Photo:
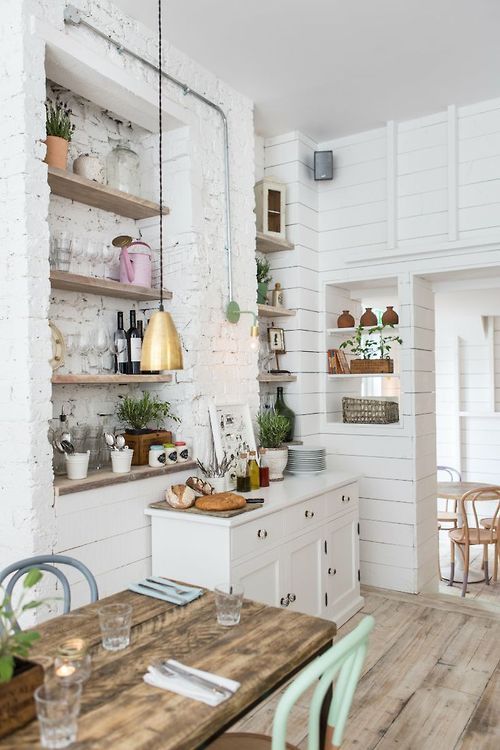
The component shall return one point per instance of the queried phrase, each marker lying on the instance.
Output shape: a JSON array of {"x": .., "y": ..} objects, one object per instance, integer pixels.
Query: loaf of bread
[
  {"x": 180, "y": 496},
  {"x": 221, "y": 501}
]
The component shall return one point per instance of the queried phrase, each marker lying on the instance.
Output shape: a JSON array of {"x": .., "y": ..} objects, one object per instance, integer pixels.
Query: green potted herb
[
  {"x": 19, "y": 677},
  {"x": 371, "y": 350},
  {"x": 273, "y": 429},
  {"x": 59, "y": 133},
  {"x": 144, "y": 419},
  {"x": 263, "y": 279}
]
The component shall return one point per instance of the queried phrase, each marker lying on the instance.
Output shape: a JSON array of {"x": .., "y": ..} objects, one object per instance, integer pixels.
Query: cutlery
[
  {"x": 158, "y": 590},
  {"x": 67, "y": 447},
  {"x": 171, "y": 670},
  {"x": 177, "y": 590},
  {"x": 255, "y": 500}
]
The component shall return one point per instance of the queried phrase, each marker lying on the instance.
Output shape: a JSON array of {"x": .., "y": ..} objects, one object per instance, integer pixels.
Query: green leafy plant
[
  {"x": 263, "y": 268},
  {"x": 13, "y": 643},
  {"x": 58, "y": 120},
  {"x": 139, "y": 413},
  {"x": 371, "y": 348},
  {"x": 273, "y": 428}
]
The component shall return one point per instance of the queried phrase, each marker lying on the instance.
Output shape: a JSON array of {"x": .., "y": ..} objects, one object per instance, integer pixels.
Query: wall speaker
[{"x": 323, "y": 165}]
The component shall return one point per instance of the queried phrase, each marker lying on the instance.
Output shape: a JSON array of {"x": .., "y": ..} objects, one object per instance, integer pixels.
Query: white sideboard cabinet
[{"x": 300, "y": 550}]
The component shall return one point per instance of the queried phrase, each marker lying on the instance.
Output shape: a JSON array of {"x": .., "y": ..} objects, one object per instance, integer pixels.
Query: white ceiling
[{"x": 333, "y": 67}]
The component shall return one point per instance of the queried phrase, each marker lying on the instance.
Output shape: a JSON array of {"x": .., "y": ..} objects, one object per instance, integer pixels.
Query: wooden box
[
  {"x": 142, "y": 443},
  {"x": 371, "y": 366},
  {"x": 17, "y": 705}
]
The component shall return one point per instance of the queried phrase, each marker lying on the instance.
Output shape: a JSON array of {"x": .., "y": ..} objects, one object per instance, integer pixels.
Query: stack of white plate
[{"x": 306, "y": 459}]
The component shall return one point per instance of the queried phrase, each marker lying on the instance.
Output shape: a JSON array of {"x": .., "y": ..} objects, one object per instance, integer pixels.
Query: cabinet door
[
  {"x": 342, "y": 562},
  {"x": 304, "y": 586},
  {"x": 262, "y": 577}
]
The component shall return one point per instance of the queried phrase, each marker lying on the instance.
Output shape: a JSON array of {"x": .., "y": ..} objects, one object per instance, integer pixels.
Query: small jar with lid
[
  {"x": 170, "y": 454},
  {"x": 182, "y": 451},
  {"x": 156, "y": 456}
]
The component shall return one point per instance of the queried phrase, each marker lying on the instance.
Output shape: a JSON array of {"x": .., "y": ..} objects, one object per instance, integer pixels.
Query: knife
[
  {"x": 167, "y": 668},
  {"x": 158, "y": 590},
  {"x": 255, "y": 499}
]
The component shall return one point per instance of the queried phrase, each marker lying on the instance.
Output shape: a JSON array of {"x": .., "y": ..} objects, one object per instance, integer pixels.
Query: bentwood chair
[
  {"x": 342, "y": 665},
  {"x": 448, "y": 514},
  {"x": 46, "y": 563},
  {"x": 472, "y": 533}
]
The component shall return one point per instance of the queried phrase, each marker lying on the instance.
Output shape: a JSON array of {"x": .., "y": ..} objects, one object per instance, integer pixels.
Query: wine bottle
[
  {"x": 281, "y": 408},
  {"x": 140, "y": 329},
  {"x": 134, "y": 346},
  {"x": 121, "y": 347}
]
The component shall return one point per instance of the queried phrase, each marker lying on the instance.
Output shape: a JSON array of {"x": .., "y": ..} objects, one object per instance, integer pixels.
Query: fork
[
  {"x": 173, "y": 671},
  {"x": 176, "y": 590}
]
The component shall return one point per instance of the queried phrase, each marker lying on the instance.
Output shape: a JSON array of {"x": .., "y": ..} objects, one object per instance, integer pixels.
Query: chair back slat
[
  {"x": 47, "y": 563},
  {"x": 344, "y": 661},
  {"x": 474, "y": 498}
]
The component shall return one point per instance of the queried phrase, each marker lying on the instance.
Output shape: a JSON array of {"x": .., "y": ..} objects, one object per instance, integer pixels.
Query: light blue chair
[
  {"x": 341, "y": 667},
  {"x": 46, "y": 563}
]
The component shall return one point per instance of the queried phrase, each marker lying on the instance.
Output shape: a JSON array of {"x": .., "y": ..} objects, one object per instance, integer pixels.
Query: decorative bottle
[
  {"x": 253, "y": 471},
  {"x": 281, "y": 408},
  {"x": 123, "y": 169}
]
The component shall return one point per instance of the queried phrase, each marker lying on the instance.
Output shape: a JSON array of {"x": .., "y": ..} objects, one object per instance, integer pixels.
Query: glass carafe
[
  {"x": 123, "y": 169},
  {"x": 281, "y": 408}
]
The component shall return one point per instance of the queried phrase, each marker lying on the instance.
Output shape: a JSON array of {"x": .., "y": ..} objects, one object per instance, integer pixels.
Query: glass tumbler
[
  {"x": 57, "y": 708},
  {"x": 228, "y": 601},
  {"x": 115, "y": 621}
]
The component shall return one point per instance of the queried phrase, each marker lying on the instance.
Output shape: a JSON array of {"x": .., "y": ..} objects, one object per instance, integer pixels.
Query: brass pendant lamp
[{"x": 161, "y": 348}]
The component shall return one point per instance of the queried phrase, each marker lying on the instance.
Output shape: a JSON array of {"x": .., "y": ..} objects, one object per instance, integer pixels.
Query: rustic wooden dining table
[{"x": 121, "y": 712}]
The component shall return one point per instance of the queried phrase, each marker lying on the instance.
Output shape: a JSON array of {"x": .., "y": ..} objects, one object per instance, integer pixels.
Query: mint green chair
[{"x": 341, "y": 667}]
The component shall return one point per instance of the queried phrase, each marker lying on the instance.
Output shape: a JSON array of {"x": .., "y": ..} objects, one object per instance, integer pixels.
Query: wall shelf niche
[
  {"x": 267, "y": 244},
  {"x": 74, "y": 282},
  {"x": 76, "y": 188},
  {"x": 268, "y": 311},
  {"x": 116, "y": 379}
]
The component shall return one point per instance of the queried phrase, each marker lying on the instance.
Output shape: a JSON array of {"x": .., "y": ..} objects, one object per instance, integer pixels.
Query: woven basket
[
  {"x": 371, "y": 366},
  {"x": 369, "y": 411}
]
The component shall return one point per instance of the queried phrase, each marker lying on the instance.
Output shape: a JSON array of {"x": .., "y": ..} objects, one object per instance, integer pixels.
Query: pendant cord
[{"x": 160, "y": 150}]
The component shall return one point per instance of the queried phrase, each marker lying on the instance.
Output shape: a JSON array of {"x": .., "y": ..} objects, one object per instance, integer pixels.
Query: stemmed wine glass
[
  {"x": 107, "y": 255},
  {"x": 92, "y": 253},
  {"x": 84, "y": 346},
  {"x": 100, "y": 338},
  {"x": 71, "y": 349}
]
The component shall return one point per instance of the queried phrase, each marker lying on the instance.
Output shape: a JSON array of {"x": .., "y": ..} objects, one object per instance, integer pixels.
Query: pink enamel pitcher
[{"x": 135, "y": 263}]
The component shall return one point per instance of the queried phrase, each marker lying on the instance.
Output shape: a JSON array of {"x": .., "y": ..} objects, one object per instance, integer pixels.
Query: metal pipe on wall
[{"x": 72, "y": 16}]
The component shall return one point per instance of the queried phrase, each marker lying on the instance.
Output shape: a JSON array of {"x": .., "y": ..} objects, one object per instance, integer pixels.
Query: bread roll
[
  {"x": 221, "y": 501},
  {"x": 180, "y": 496}
]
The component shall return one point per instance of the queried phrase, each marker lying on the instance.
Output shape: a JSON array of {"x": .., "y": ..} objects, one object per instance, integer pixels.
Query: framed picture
[
  {"x": 232, "y": 431},
  {"x": 276, "y": 339}
]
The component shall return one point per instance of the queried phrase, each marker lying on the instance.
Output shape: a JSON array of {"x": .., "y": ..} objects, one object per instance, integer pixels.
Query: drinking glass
[
  {"x": 71, "y": 340},
  {"x": 92, "y": 254},
  {"x": 78, "y": 251},
  {"x": 100, "y": 338},
  {"x": 84, "y": 346},
  {"x": 115, "y": 621},
  {"x": 57, "y": 708},
  {"x": 107, "y": 255},
  {"x": 228, "y": 601},
  {"x": 62, "y": 251}
]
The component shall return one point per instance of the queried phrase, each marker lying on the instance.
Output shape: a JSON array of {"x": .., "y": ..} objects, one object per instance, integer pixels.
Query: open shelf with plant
[
  {"x": 267, "y": 244},
  {"x": 271, "y": 311},
  {"x": 111, "y": 379},
  {"x": 74, "y": 282}
]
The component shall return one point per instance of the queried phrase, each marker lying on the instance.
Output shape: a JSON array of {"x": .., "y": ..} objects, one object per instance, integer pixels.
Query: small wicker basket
[{"x": 369, "y": 411}]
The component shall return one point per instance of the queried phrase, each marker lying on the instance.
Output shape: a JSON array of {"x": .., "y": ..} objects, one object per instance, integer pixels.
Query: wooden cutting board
[{"x": 163, "y": 505}]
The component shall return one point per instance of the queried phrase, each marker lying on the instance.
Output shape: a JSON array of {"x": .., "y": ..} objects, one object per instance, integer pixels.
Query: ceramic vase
[
  {"x": 276, "y": 460},
  {"x": 346, "y": 320},
  {"x": 368, "y": 319},
  {"x": 390, "y": 317},
  {"x": 90, "y": 167},
  {"x": 57, "y": 152}
]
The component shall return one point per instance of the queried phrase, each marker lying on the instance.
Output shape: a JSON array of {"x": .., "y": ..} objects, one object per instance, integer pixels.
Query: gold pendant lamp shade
[{"x": 161, "y": 348}]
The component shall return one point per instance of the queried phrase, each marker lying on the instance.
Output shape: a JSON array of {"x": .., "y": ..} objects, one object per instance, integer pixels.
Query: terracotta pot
[
  {"x": 57, "y": 152},
  {"x": 390, "y": 317},
  {"x": 276, "y": 460},
  {"x": 368, "y": 318},
  {"x": 346, "y": 320}
]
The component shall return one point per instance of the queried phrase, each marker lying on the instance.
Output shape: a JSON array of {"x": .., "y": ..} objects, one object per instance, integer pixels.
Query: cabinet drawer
[
  {"x": 304, "y": 515},
  {"x": 343, "y": 499},
  {"x": 256, "y": 536}
]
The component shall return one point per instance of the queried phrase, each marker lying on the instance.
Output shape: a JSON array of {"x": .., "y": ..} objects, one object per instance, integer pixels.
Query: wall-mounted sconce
[{"x": 233, "y": 314}]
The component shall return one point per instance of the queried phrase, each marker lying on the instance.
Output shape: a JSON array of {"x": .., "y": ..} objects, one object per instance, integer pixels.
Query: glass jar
[
  {"x": 122, "y": 169},
  {"x": 72, "y": 662}
]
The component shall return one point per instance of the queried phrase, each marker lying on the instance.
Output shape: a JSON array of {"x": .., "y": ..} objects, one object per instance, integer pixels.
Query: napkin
[
  {"x": 158, "y": 588},
  {"x": 182, "y": 686}
]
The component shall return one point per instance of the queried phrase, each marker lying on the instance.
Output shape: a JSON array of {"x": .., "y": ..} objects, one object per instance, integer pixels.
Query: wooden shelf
[
  {"x": 77, "y": 188},
  {"x": 74, "y": 282},
  {"x": 335, "y": 331},
  {"x": 268, "y": 311},
  {"x": 89, "y": 379},
  {"x": 364, "y": 375},
  {"x": 266, "y": 244},
  {"x": 268, "y": 378},
  {"x": 105, "y": 477}
]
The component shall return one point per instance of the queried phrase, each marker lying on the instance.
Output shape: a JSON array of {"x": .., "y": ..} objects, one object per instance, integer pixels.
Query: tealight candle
[{"x": 72, "y": 662}]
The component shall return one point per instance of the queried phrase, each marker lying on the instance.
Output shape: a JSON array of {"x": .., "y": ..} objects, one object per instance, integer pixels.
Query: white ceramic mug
[
  {"x": 121, "y": 461},
  {"x": 77, "y": 465},
  {"x": 219, "y": 483}
]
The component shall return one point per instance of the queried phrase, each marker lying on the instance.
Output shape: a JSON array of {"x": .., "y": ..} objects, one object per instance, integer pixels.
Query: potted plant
[
  {"x": 59, "y": 132},
  {"x": 263, "y": 279},
  {"x": 19, "y": 678},
  {"x": 371, "y": 355},
  {"x": 138, "y": 415},
  {"x": 273, "y": 428}
]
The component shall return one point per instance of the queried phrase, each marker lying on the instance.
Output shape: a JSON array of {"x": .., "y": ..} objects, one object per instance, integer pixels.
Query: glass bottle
[
  {"x": 242, "y": 475},
  {"x": 122, "y": 169},
  {"x": 253, "y": 471},
  {"x": 281, "y": 408},
  {"x": 263, "y": 470},
  {"x": 61, "y": 431}
]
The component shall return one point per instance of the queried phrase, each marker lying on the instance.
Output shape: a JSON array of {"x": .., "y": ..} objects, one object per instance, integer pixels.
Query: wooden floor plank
[{"x": 483, "y": 730}]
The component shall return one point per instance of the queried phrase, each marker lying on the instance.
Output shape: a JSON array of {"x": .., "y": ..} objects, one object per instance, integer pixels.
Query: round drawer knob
[
  {"x": 285, "y": 601},
  {"x": 262, "y": 533},
  {"x": 343, "y": 498},
  {"x": 332, "y": 571},
  {"x": 309, "y": 514},
  {"x": 291, "y": 598}
]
